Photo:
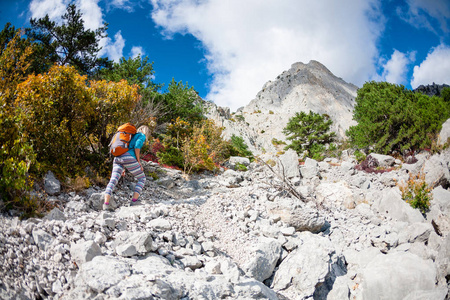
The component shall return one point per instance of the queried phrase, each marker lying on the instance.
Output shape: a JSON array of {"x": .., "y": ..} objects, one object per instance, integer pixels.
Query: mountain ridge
[{"x": 304, "y": 87}]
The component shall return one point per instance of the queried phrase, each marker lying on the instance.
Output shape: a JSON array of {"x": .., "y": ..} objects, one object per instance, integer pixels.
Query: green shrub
[
  {"x": 240, "y": 167},
  {"x": 309, "y": 132},
  {"x": 417, "y": 193},
  {"x": 359, "y": 156},
  {"x": 391, "y": 118},
  {"x": 171, "y": 156},
  {"x": 239, "y": 147},
  {"x": 276, "y": 142},
  {"x": 240, "y": 118},
  {"x": 316, "y": 151}
]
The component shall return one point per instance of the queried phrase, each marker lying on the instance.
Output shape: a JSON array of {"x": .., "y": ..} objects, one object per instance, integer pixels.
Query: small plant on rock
[{"x": 417, "y": 193}]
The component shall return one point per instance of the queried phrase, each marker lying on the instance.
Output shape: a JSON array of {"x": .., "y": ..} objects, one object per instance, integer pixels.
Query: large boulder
[
  {"x": 261, "y": 266},
  {"x": 384, "y": 161},
  {"x": 84, "y": 251},
  {"x": 103, "y": 272},
  {"x": 396, "y": 275},
  {"x": 294, "y": 214},
  {"x": 392, "y": 205},
  {"x": 335, "y": 194},
  {"x": 436, "y": 172},
  {"x": 288, "y": 164},
  {"x": 439, "y": 213},
  {"x": 444, "y": 135},
  {"x": 311, "y": 269}
]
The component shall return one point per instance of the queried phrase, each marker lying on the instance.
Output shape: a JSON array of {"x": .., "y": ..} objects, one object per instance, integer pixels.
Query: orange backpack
[{"x": 121, "y": 140}]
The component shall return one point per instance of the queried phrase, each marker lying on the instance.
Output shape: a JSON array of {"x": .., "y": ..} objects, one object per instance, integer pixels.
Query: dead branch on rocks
[{"x": 284, "y": 182}]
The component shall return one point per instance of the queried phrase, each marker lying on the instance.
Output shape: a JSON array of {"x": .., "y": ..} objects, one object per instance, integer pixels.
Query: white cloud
[
  {"x": 435, "y": 68},
  {"x": 420, "y": 14},
  {"x": 395, "y": 70},
  {"x": 250, "y": 42},
  {"x": 90, "y": 10},
  {"x": 137, "y": 50},
  {"x": 53, "y": 8},
  {"x": 122, "y": 4},
  {"x": 92, "y": 13},
  {"x": 113, "y": 49}
]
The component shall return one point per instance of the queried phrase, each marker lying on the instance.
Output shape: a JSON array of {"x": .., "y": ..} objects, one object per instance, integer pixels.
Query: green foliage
[
  {"x": 136, "y": 70},
  {"x": 69, "y": 43},
  {"x": 445, "y": 94},
  {"x": 359, "y": 156},
  {"x": 70, "y": 123},
  {"x": 308, "y": 132},
  {"x": 16, "y": 152},
  {"x": 180, "y": 101},
  {"x": 240, "y": 167},
  {"x": 417, "y": 193},
  {"x": 316, "y": 151},
  {"x": 171, "y": 156},
  {"x": 276, "y": 142},
  {"x": 239, "y": 147},
  {"x": 391, "y": 118},
  {"x": 205, "y": 148},
  {"x": 240, "y": 118}
]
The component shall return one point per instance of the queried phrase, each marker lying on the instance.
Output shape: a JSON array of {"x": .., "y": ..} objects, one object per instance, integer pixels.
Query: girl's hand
[{"x": 123, "y": 173}]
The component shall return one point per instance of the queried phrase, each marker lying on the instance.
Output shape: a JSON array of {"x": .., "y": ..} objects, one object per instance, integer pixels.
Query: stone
[
  {"x": 213, "y": 267},
  {"x": 395, "y": 275},
  {"x": 160, "y": 224},
  {"x": 126, "y": 250},
  {"x": 141, "y": 241},
  {"x": 103, "y": 272},
  {"x": 311, "y": 268},
  {"x": 384, "y": 161},
  {"x": 52, "y": 186},
  {"x": 233, "y": 160},
  {"x": 392, "y": 205},
  {"x": 436, "y": 172},
  {"x": 84, "y": 251},
  {"x": 288, "y": 164},
  {"x": 42, "y": 239},
  {"x": 263, "y": 263},
  {"x": 444, "y": 134},
  {"x": 310, "y": 169},
  {"x": 55, "y": 214}
]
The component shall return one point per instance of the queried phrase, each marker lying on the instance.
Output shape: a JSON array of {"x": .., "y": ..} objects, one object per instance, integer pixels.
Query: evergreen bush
[
  {"x": 391, "y": 118},
  {"x": 309, "y": 132}
]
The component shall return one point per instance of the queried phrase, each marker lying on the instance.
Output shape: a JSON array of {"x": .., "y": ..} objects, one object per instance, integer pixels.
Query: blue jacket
[{"x": 137, "y": 141}]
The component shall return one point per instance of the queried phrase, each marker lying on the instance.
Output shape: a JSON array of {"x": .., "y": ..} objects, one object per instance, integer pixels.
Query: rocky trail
[{"x": 237, "y": 235}]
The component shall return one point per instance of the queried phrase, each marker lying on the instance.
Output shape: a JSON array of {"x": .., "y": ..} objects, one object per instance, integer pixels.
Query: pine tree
[{"x": 307, "y": 131}]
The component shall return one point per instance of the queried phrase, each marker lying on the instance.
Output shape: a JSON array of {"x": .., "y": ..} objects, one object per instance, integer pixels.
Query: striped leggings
[{"x": 131, "y": 164}]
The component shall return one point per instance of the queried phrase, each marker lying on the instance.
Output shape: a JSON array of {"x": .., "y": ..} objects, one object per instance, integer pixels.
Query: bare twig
[{"x": 285, "y": 182}]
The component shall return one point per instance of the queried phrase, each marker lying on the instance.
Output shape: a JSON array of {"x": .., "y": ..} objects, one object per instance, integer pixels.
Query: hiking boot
[
  {"x": 135, "y": 202},
  {"x": 107, "y": 206}
]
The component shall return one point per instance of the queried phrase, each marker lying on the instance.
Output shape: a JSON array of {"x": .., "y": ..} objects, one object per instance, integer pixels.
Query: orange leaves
[{"x": 204, "y": 148}]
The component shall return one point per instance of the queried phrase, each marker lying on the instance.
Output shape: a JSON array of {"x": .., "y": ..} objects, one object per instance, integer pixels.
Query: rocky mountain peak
[{"x": 304, "y": 87}]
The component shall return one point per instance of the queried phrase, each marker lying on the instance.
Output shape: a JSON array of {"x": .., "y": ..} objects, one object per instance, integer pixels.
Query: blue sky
[{"x": 227, "y": 50}]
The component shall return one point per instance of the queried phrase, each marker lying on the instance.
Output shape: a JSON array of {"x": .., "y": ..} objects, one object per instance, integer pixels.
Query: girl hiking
[{"x": 126, "y": 147}]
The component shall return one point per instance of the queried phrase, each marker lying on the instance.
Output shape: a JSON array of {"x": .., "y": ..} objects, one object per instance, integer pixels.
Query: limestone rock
[
  {"x": 261, "y": 266},
  {"x": 309, "y": 269},
  {"x": 384, "y": 161},
  {"x": 83, "y": 252},
  {"x": 444, "y": 135},
  {"x": 391, "y": 204},
  {"x": 52, "y": 186},
  {"x": 395, "y": 275},
  {"x": 103, "y": 272}
]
